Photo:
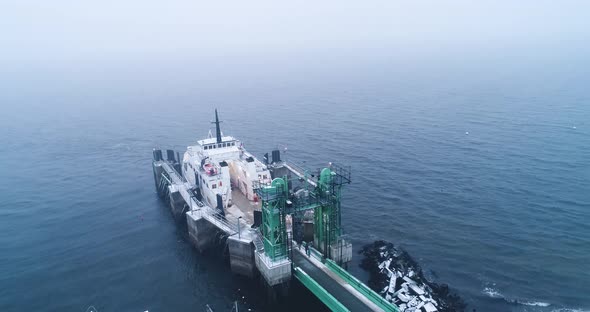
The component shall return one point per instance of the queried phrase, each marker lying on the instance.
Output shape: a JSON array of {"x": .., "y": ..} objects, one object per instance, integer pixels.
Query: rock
[{"x": 399, "y": 279}]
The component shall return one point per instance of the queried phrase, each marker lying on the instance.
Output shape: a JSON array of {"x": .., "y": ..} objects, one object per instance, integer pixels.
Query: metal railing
[
  {"x": 217, "y": 219},
  {"x": 171, "y": 173},
  {"x": 257, "y": 240},
  {"x": 301, "y": 172},
  {"x": 361, "y": 287},
  {"x": 320, "y": 292}
]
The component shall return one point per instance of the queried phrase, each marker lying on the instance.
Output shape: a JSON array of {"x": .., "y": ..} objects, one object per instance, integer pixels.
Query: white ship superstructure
[{"x": 222, "y": 170}]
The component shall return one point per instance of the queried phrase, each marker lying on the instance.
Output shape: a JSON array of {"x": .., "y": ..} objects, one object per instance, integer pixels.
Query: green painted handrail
[
  {"x": 319, "y": 291},
  {"x": 361, "y": 287}
]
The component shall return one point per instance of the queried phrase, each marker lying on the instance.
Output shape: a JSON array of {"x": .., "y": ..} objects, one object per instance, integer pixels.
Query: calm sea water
[{"x": 480, "y": 169}]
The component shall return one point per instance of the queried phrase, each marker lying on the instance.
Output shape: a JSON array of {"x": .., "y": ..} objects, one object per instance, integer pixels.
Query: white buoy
[{"x": 466, "y": 132}]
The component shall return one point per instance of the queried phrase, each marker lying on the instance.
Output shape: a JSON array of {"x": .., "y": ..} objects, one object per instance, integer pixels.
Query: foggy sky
[{"x": 103, "y": 30}]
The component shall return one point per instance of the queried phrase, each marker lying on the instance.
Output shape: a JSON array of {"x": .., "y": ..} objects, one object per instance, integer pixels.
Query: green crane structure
[
  {"x": 274, "y": 229},
  {"x": 295, "y": 194}
]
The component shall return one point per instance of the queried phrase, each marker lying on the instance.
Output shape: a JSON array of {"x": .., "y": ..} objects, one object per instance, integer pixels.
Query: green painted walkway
[{"x": 337, "y": 290}]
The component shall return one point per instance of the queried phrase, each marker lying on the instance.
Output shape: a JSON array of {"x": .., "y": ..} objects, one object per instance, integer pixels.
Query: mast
[{"x": 217, "y": 128}]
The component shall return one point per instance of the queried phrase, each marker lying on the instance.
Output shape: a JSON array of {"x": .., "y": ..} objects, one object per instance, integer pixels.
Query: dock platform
[
  {"x": 342, "y": 292},
  {"x": 328, "y": 281}
]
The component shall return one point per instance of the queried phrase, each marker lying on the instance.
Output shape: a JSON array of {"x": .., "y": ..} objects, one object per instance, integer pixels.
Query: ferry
[{"x": 222, "y": 172}]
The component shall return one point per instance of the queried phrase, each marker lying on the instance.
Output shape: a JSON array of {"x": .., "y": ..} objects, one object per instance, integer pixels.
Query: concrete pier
[
  {"x": 274, "y": 272},
  {"x": 202, "y": 233},
  {"x": 241, "y": 253},
  {"x": 177, "y": 204},
  {"x": 341, "y": 252}
]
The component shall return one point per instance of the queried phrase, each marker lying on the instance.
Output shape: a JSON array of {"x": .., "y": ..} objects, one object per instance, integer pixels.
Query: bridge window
[{"x": 213, "y": 186}]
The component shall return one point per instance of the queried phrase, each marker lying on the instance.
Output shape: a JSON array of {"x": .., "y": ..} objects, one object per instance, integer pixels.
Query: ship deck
[{"x": 242, "y": 207}]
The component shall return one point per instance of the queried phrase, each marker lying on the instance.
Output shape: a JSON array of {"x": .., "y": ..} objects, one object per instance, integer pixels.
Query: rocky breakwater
[{"x": 400, "y": 280}]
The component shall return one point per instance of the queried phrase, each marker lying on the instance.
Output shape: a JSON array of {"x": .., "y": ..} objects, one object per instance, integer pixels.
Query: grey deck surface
[
  {"x": 242, "y": 206},
  {"x": 329, "y": 284}
]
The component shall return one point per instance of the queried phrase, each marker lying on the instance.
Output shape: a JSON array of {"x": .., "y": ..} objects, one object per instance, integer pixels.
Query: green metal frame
[
  {"x": 327, "y": 215},
  {"x": 319, "y": 291},
  {"x": 274, "y": 229},
  {"x": 326, "y": 205}
]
